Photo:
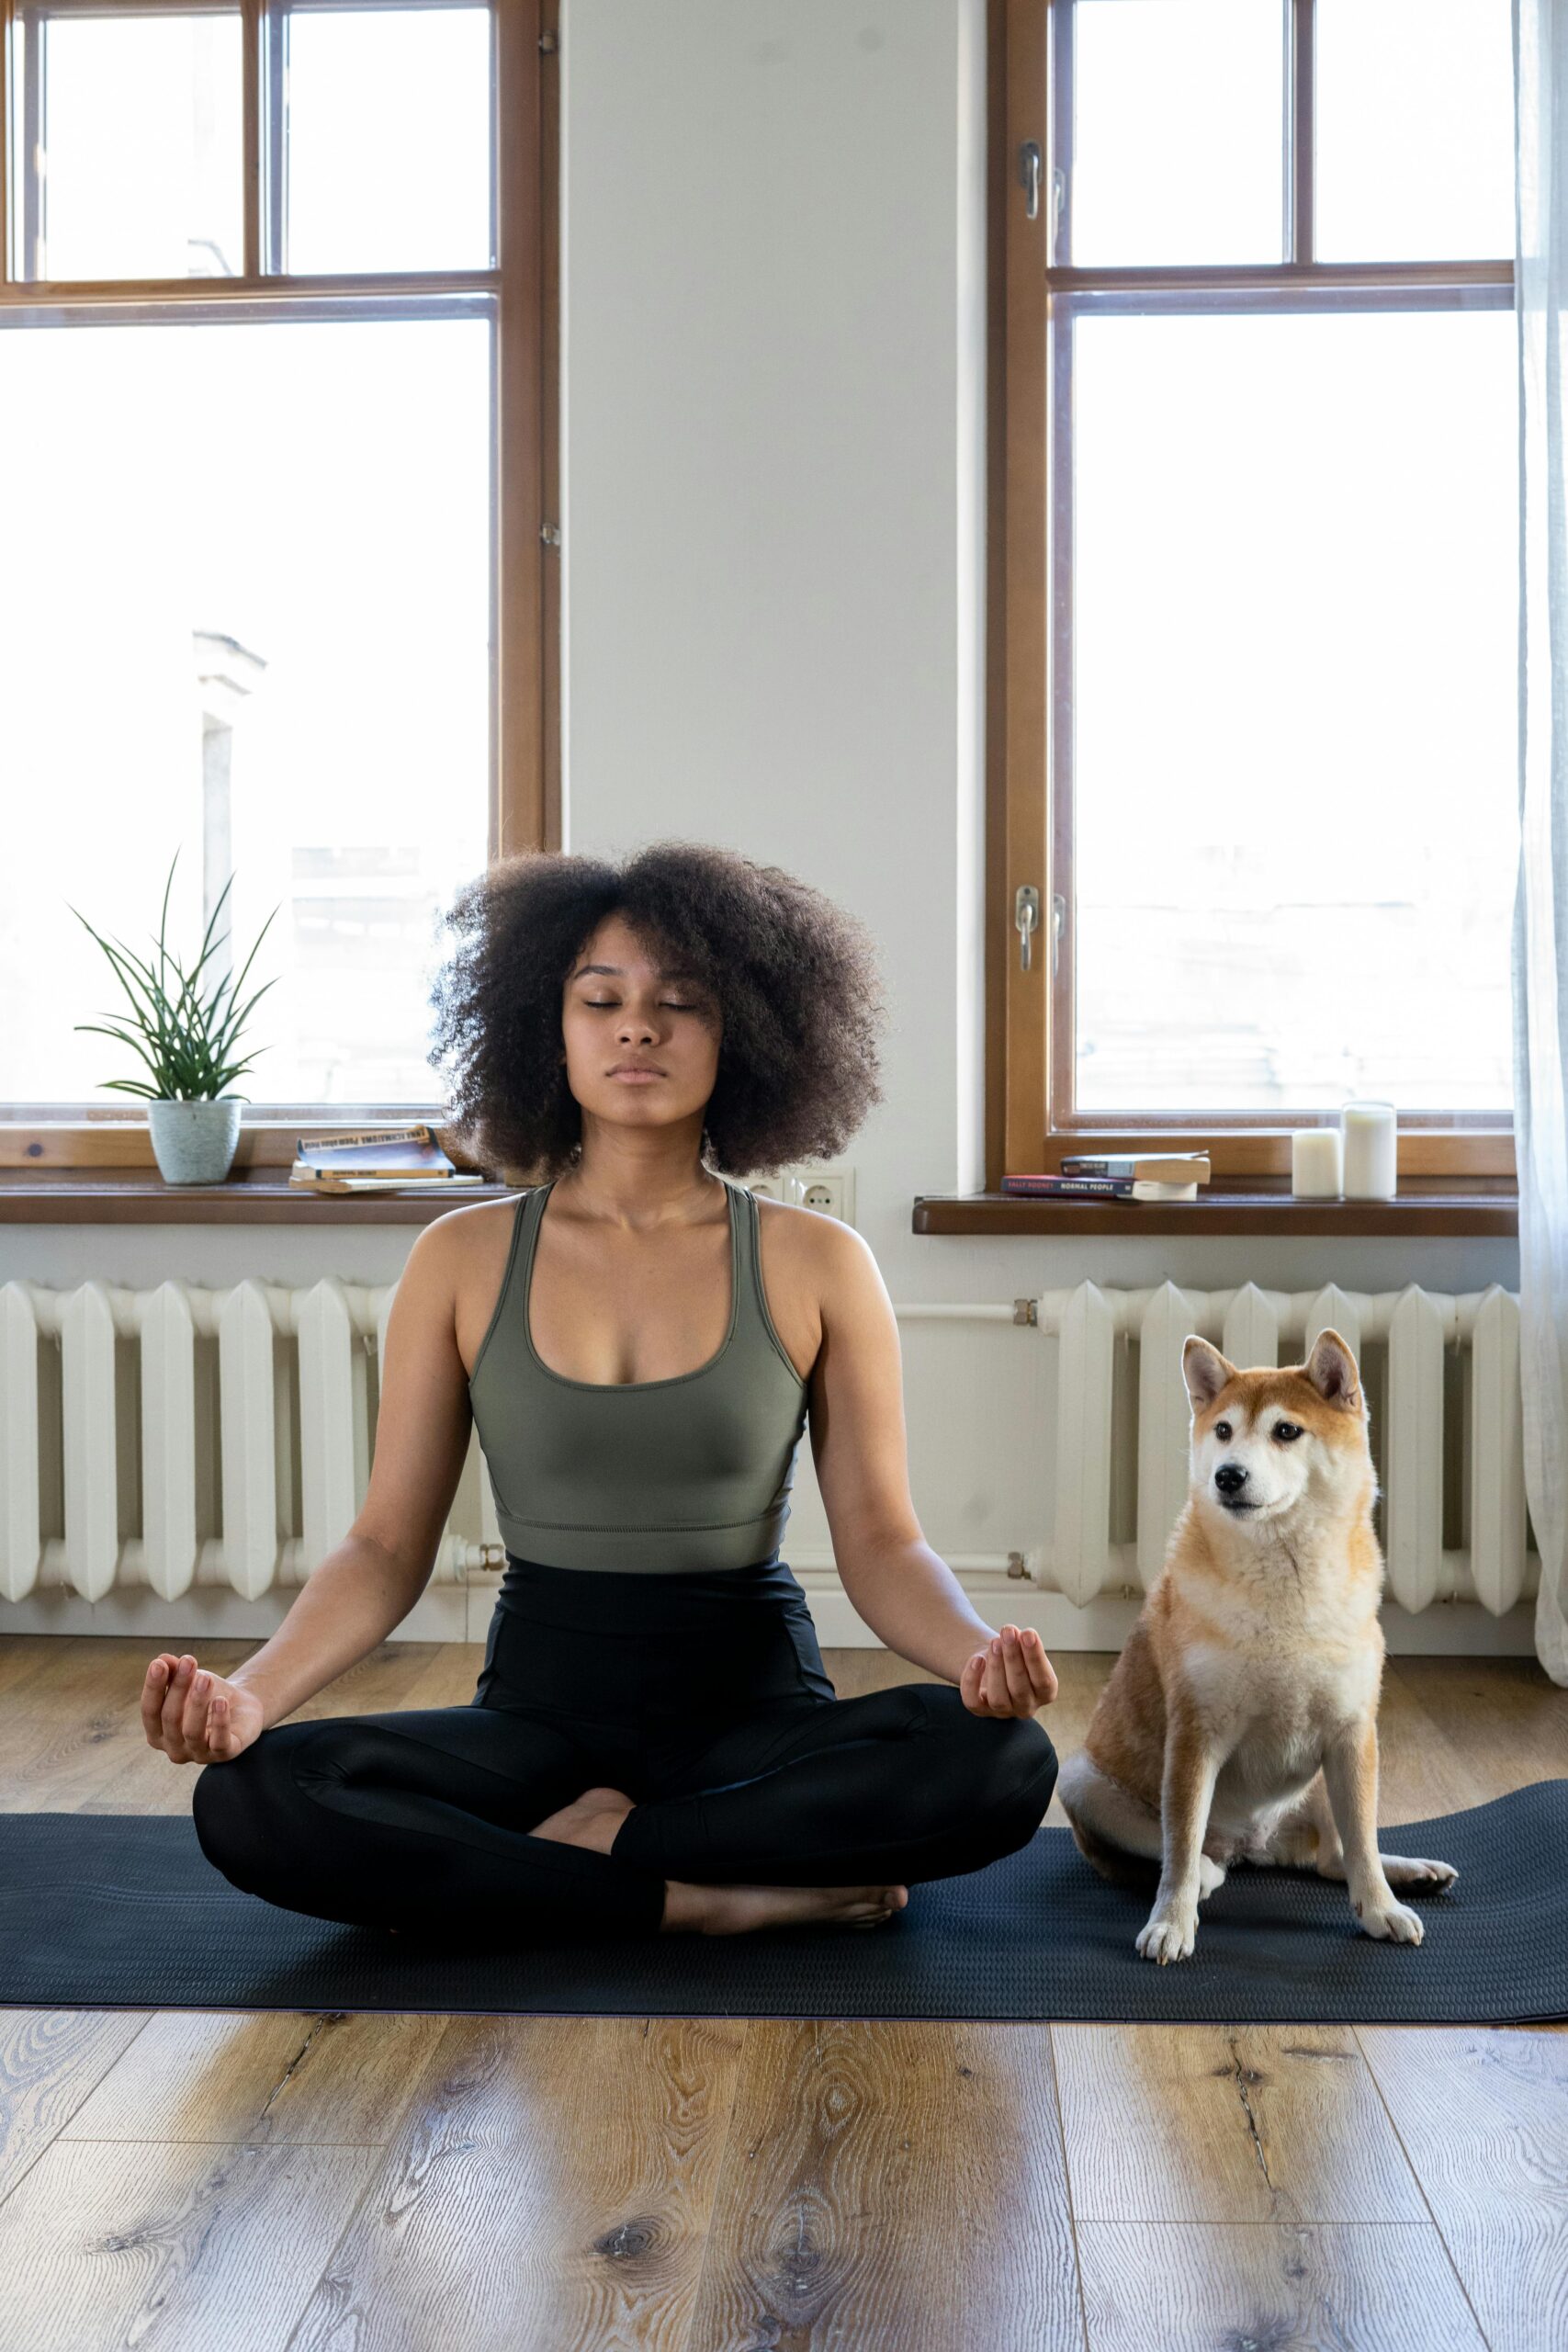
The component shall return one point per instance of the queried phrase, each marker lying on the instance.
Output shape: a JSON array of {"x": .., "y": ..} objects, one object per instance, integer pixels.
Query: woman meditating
[{"x": 653, "y": 1744}]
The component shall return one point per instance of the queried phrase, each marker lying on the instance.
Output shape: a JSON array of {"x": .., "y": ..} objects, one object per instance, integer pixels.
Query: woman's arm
[
  {"x": 904, "y": 1591},
  {"x": 347, "y": 1606},
  {"x": 368, "y": 1581}
]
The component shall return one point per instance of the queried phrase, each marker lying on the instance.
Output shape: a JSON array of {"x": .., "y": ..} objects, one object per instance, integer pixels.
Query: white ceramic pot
[{"x": 193, "y": 1143}]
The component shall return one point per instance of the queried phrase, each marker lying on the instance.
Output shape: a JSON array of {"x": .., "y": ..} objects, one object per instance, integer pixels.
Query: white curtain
[{"x": 1540, "y": 905}]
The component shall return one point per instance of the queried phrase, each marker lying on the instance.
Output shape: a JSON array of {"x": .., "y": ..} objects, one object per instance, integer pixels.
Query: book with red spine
[{"x": 1049, "y": 1186}]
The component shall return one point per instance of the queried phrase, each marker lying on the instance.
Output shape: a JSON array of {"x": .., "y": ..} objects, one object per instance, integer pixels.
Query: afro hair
[{"x": 795, "y": 975}]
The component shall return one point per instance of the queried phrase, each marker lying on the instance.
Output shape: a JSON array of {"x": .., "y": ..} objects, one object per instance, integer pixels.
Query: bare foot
[
  {"x": 589, "y": 1820},
  {"x": 712, "y": 1910},
  {"x": 715, "y": 1910},
  {"x": 593, "y": 1820}
]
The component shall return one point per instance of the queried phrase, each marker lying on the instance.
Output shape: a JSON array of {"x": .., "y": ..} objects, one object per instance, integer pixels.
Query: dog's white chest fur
[{"x": 1295, "y": 1659}]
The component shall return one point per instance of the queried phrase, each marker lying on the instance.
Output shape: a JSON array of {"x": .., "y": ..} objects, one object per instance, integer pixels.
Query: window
[
  {"x": 1253, "y": 574},
  {"x": 277, "y": 591}
]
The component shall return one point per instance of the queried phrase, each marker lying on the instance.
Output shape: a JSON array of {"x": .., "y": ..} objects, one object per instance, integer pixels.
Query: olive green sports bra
[{"x": 655, "y": 1476}]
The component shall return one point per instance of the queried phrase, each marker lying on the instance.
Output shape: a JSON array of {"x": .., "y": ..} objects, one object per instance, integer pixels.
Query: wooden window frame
[
  {"x": 521, "y": 294},
  {"x": 1028, "y": 1015}
]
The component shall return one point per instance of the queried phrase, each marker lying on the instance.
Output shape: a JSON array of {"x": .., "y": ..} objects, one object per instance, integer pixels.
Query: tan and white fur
[{"x": 1240, "y": 1724}]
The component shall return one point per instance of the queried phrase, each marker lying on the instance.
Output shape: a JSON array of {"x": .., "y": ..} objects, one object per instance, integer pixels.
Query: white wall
[
  {"x": 772, "y": 458},
  {"x": 773, "y": 243}
]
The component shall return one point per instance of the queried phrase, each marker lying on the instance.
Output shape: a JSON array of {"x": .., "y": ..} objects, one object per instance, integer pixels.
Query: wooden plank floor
[{"x": 314, "y": 2182}]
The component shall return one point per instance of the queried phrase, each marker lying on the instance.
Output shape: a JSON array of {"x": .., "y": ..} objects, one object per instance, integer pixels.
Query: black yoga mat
[{"x": 107, "y": 1911}]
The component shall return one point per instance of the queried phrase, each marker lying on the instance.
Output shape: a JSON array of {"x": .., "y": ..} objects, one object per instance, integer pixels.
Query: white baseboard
[
  {"x": 462, "y": 1613},
  {"x": 1448, "y": 1629},
  {"x": 211, "y": 1613}
]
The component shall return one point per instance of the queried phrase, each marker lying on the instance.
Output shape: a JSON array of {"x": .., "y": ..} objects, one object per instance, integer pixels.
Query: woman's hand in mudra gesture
[
  {"x": 1011, "y": 1676},
  {"x": 197, "y": 1717}
]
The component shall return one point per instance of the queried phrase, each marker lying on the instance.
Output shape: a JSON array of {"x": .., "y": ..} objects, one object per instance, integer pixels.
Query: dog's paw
[
  {"x": 1211, "y": 1874},
  {"x": 1401, "y": 1870},
  {"x": 1390, "y": 1923},
  {"x": 1170, "y": 1935}
]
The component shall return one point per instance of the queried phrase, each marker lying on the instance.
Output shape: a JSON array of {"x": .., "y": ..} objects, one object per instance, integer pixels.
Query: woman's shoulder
[
  {"x": 475, "y": 1246},
  {"x": 818, "y": 1272},
  {"x": 473, "y": 1234},
  {"x": 810, "y": 1235}
]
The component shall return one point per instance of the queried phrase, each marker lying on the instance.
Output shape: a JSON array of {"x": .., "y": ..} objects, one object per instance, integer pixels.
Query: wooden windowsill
[
  {"x": 259, "y": 1195},
  {"x": 1422, "y": 1207}
]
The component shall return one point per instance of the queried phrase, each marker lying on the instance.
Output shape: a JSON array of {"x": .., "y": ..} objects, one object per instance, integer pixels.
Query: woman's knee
[
  {"x": 1001, "y": 1764},
  {"x": 240, "y": 1807},
  {"x": 1014, "y": 1767},
  {"x": 1019, "y": 1774},
  {"x": 218, "y": 1803},
  {"x": 1029, "y": 1760}
]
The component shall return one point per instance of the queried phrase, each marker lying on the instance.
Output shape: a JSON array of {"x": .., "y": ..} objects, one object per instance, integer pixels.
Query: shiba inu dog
[{"x": 1240, "y": 1724}]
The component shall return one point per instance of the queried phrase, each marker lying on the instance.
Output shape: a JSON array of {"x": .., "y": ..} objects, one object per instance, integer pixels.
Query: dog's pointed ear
[
  {"x": 1331, "y": 1370},
  {"x": 1204, "y": 1369}
]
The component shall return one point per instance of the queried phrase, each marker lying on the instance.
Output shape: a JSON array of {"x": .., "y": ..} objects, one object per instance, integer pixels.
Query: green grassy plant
[{"x": 186, "y": 1043}]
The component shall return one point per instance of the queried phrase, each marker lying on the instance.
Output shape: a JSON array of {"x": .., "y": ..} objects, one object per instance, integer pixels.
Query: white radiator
[
  {"x": 181, "y": 1438},
  {"x": 255, "y": 1435},
  {"x": 1442, "y": 1380}
]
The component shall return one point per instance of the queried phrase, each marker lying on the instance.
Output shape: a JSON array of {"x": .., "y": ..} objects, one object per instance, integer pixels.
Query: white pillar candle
[
  {"x": 1315, "y": 1164},
  {"x": 1370, "y": 1131}
]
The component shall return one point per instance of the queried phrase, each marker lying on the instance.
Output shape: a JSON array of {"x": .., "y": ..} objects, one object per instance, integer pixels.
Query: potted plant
[{"x": 194, "y": 1120}]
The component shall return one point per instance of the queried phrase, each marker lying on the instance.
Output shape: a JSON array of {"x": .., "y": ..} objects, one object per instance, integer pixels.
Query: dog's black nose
[{"x": 1230, "y": 1477}]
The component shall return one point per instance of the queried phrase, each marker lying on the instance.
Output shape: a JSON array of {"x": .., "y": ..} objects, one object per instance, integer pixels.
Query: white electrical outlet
[
  {"x": 830, "y": 1191},
  {"x": 771, "y": 1188}
]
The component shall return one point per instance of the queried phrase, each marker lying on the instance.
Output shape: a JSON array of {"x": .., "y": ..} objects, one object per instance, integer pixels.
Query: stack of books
[
  {"x": 1118, "y": 1176},
  {"x": 377, "y": 1160}
]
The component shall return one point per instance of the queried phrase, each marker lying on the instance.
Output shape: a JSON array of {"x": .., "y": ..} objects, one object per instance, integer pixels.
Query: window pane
[
  {"x": 1414, "y": 158},
  {"x": 1294, "y": 765},
  {"x": 1177, "y": 131},
  {"x": 244, "y": 615},
  {"x": 389, "y": 139},
  {"x": 138, "y": 169}
]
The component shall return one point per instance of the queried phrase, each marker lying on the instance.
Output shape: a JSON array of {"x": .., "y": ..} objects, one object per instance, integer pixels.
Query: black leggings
[{"x": 703, "y": 1697}]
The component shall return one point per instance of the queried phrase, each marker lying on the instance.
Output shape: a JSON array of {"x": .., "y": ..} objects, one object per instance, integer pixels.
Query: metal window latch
[
  {"x": 1058, "y": 923},
  {"x": 1025, "y": 920},
  {"x": 1028, "y": 173},
  {"x": 550, "y": 533}
]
